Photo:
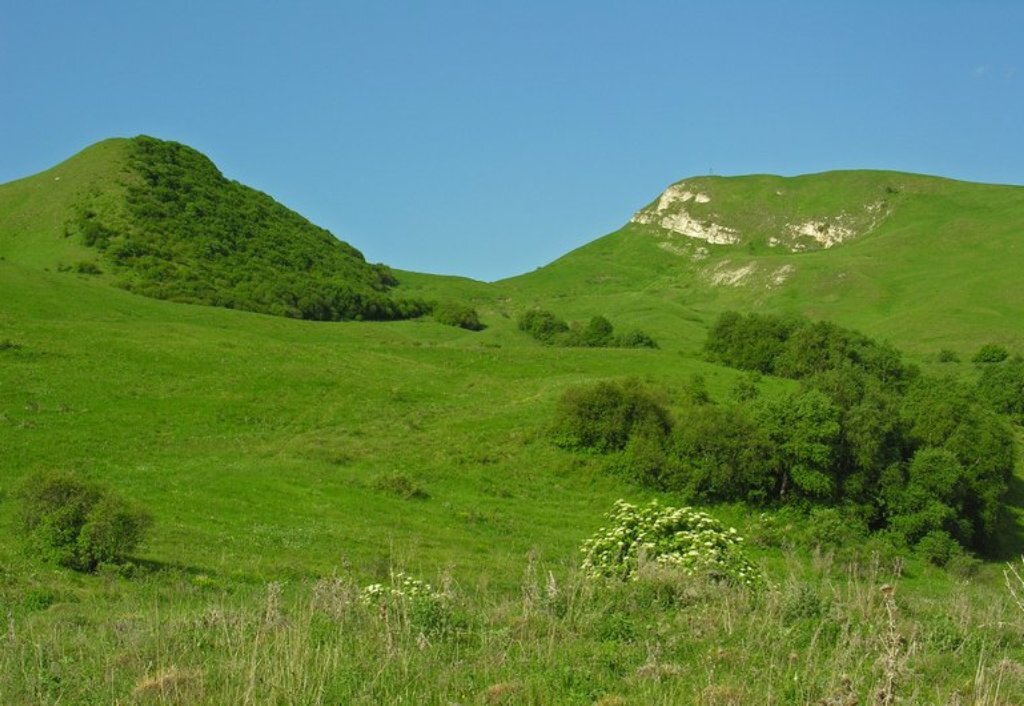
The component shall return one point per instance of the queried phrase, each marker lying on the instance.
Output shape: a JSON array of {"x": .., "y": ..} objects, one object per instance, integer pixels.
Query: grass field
[{"x": 289, "y": 463}]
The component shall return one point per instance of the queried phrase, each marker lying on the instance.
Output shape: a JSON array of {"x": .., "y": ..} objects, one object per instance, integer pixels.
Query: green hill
[
  {"x": 160, "y": 219},
  {"x": 291, "y": 464},
  {"x": 923, "y": 261}
]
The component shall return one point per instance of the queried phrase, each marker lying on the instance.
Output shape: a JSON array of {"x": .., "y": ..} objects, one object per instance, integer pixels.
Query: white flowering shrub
[
  {"x": 410, "y": 600},
  {"x": 681, "y": 538}
]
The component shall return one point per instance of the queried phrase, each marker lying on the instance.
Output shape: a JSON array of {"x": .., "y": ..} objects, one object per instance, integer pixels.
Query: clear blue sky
[{"x": 488, "y": 138}]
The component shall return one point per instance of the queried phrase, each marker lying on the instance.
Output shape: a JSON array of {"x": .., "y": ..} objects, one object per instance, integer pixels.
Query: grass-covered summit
[
  {"x": 162, "y": 220},
  {"x": 922, "y": 261}
]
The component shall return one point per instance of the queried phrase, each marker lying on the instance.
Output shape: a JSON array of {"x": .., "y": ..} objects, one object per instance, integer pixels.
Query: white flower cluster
[
  {"x": 403, "y": 588},
  {"x": 683, "y": 538}
]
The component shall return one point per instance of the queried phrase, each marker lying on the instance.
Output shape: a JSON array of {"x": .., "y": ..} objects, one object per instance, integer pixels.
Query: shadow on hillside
[
  {"x": 155, "y": 567},
  {"x": 1010, "y": 545}
]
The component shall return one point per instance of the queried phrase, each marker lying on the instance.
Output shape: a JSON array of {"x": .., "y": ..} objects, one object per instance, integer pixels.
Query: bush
[
  {"x": 87, "y": 268},
  {"x": 634, "y": 339},
  {"x": 605, "y": 416},
  {"x": 677, "y": 538},
  {"x": 990, "y": 353},
  {"x": 948, "y": 356},
  {"x": 78, "y": 524},
  {"x": 542, "y": 325},
  {"x": 598, "y": 333},
  {"x": 453, "y": 314},
  {"x": 720, "y": 453}
]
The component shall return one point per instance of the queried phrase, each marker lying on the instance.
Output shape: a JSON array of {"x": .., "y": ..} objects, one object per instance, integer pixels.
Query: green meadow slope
[
  {"x": 925, "y": 262},
  {"x": 287, "y": 462}
]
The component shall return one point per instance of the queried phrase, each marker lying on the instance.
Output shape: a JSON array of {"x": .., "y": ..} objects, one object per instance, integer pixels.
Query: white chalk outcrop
[{"x": 670, "y": 213}]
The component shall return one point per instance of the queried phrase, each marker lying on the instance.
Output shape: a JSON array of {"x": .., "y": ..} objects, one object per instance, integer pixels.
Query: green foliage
[
  {"x": 634, "y": 338},
  {"x": 947, "y": 356},
  {"x": 605, "y": 416},
  {"x": 458, "y": 315},
  {"x": 942, "y": 414},
  {"x": 542, "y": 325},
  {"x": 186, "y": 233},
  {"x": 679, "y": 539},
  {"x": 78, "y": 524},
  {"x": 753, "y": 342},
  {"x": 745, "y": 388},
  {"x": 911, "y": 455},
  {"x": 804, "y": 430},
  {"x": 1002, "y": 387},
  {"x": 719, "y": 453},
  {"x": 990, "y": 353},
  {"x": 797, "y": 348},
  {"x": 598, "y": 333},
  {"x": 86, "y": 267},
  {"x": 695, "y": 390}
]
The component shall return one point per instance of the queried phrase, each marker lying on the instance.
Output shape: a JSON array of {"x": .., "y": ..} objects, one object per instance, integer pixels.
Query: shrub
[
  {"x": 990, "y": 353},
  {"x": 745, "y": 387},
  {"x": 87, "y": 268},
  {"x": 78, "y": 524},
  {"x": 459, "y": 315},
  {"x": 635, "y": 339},
  {"x": 947, "y": 356},
  {"x": 604, "y": 417},
  {"x": 597, "y": 334},
  {"x": 938, "y": 547},
  {"x": 720, "y": 453},
  {"x": 678, "y": 538},
  {"x": 542, "y": 325}
]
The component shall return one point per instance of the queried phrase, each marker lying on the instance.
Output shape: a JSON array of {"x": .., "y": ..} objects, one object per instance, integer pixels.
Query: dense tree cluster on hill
[
  {"x": 919, "y": 458},
  {"x": 598, "y": 332},
  {"x": 189, "y": 234}
]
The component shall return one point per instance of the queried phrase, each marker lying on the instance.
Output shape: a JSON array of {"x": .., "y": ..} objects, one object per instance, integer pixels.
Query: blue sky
[{"x": 488, "y": 138}]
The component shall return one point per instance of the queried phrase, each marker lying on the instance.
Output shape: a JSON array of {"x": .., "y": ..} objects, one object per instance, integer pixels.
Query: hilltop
[
  {"x": 924, "y": 261},
  {"x": 159, "y": 219}
]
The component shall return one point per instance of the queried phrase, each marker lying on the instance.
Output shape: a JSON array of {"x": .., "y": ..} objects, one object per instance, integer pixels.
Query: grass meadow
[{"x": 288, "y": 464}]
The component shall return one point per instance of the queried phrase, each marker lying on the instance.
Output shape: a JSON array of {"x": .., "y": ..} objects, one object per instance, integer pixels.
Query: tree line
[{"x": 925, "y": 460}]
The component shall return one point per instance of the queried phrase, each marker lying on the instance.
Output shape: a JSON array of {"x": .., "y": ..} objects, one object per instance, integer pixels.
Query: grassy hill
[
  {"x": 925, "y": 262},
  {"x": 160, "y": 219},
  {"x": 290, "y": 463}
]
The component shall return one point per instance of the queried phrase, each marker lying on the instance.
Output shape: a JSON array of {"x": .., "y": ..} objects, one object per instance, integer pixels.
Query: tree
[
  {"x": 605, "y": 416},
  {"x": 598, "y": 333},
  {"x": 804, "y": 429}
]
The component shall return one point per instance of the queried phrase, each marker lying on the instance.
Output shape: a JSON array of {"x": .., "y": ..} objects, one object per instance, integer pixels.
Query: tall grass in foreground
[{"x": 826, "y": 635}]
